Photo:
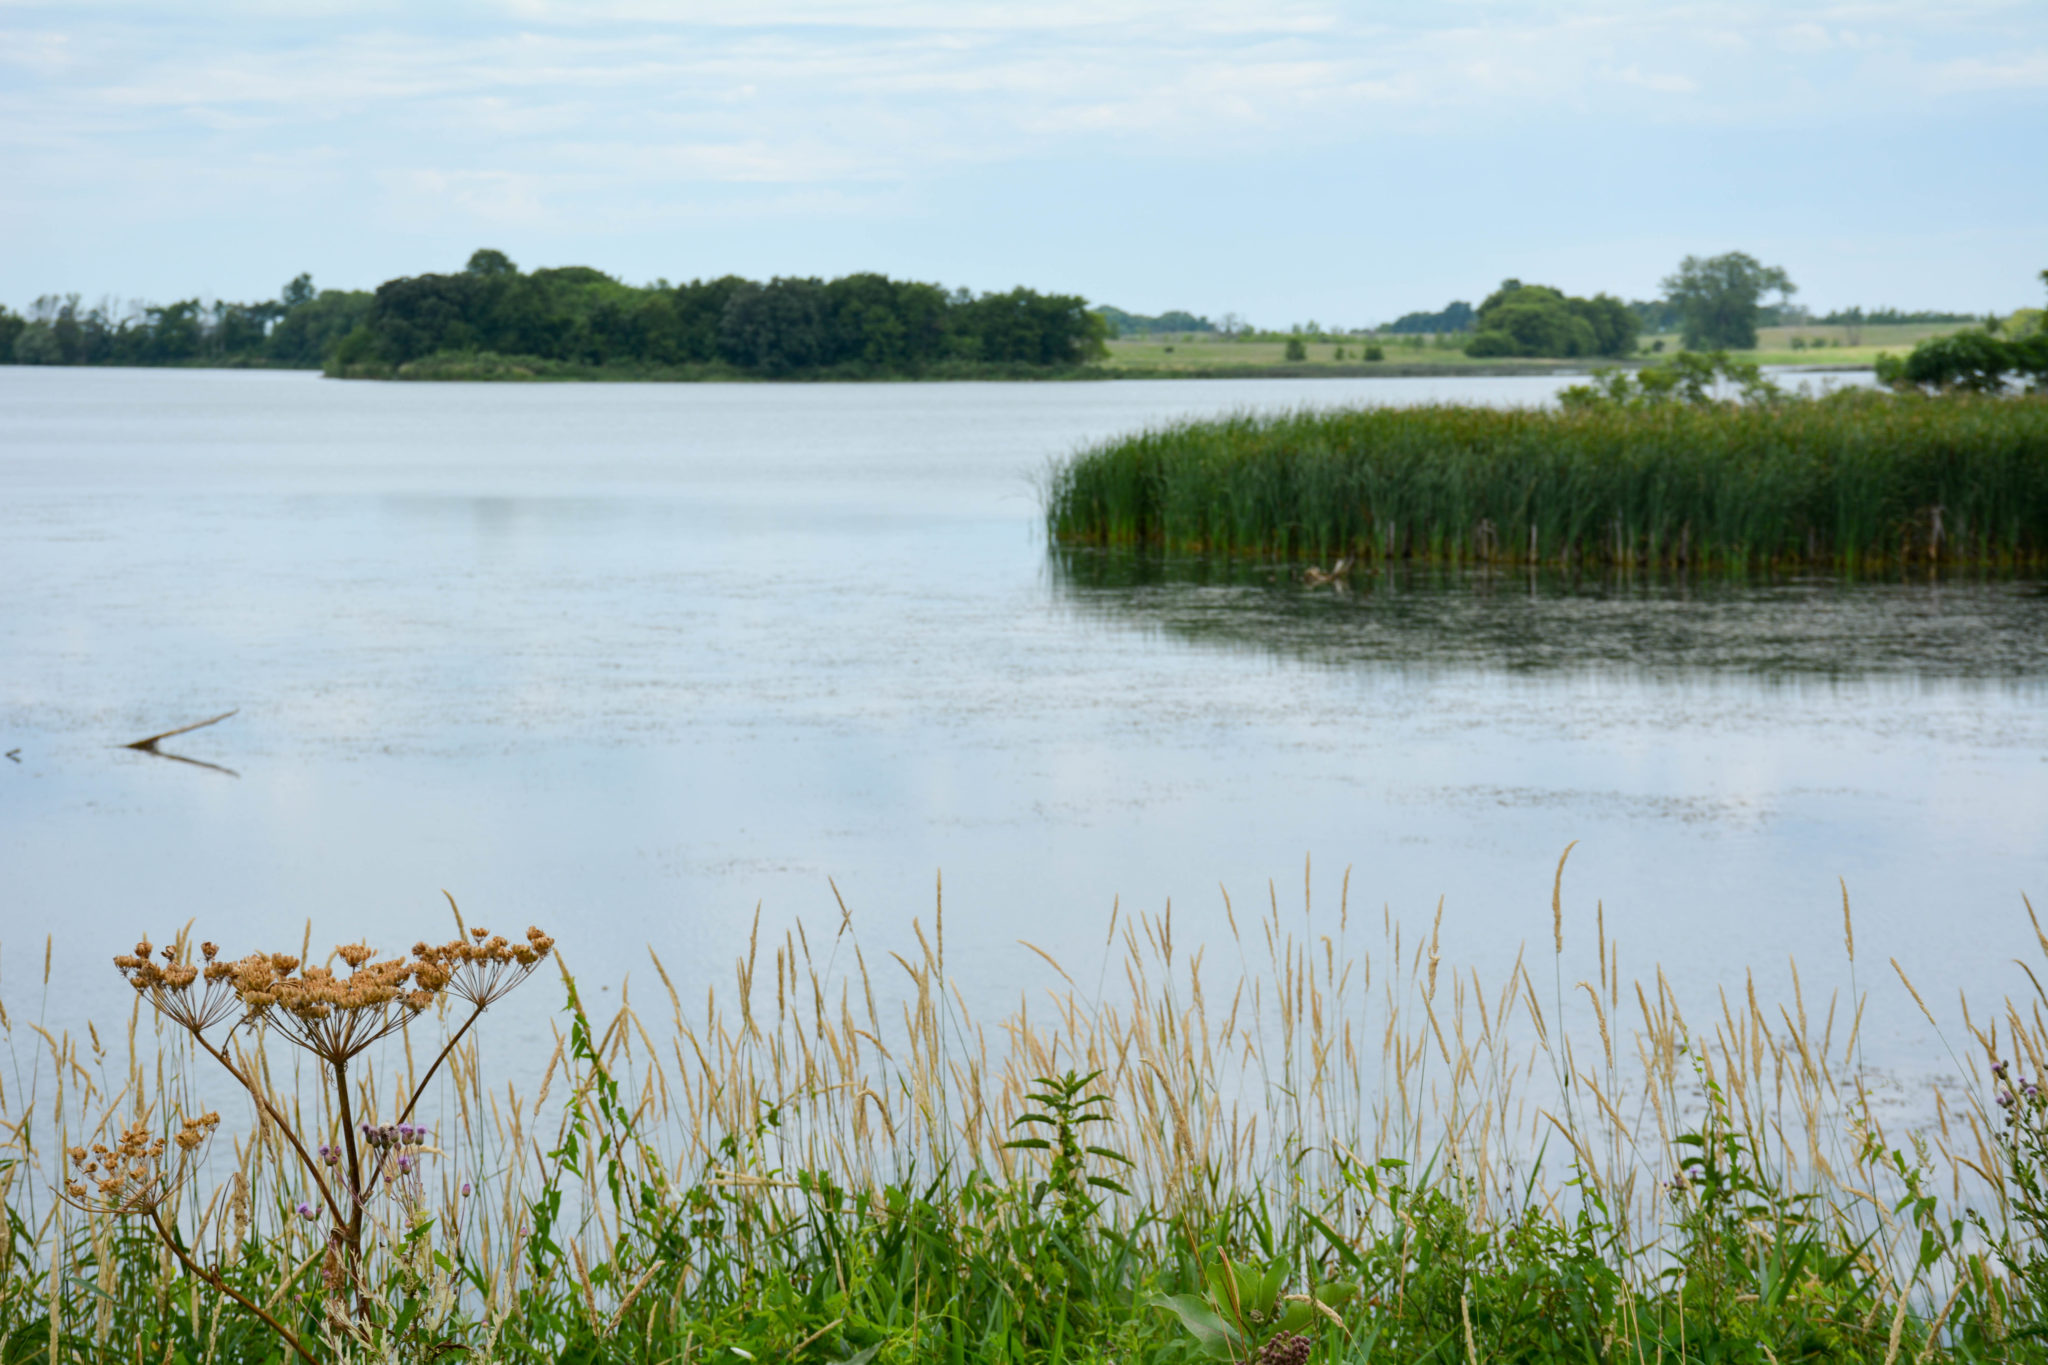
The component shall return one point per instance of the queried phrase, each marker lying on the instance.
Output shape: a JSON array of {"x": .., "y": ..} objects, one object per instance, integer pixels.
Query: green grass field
[{"x": 1845, "y": 348}]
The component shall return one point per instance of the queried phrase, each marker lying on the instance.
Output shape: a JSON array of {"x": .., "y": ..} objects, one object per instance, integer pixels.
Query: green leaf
[
  {"x": 1216, "y": 1337},
  {"x": 1271, "y": 1285}
]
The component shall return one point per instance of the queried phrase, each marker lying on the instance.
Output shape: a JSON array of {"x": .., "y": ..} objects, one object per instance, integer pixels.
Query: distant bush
[
  {"x": 1488, "y": 345},
  {"x": 1296, "y": 349},
  {"x": 1535, "y": 320},
  {"x": 1972, "y": 361}
]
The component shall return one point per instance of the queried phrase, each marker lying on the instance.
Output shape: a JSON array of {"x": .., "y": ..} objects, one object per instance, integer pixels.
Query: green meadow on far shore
[{"x": 1215, "y": 355}]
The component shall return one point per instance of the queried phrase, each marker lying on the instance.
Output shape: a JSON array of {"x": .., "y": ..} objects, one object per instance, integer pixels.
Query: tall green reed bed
[
  {"x": 1852, "y": 481},
  {"x": 1338, "y": 1148}
]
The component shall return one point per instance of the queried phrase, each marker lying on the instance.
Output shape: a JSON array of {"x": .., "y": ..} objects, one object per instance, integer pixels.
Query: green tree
[
  {"x": 309, "y": 330},
  {"x": 1295, "y": 349},
  {"x": 1719, "y": 298},
  {"x": 490, "y": 263},
  {"x": 777, "y": 327},
  {"x": 1536, "y": 320}
]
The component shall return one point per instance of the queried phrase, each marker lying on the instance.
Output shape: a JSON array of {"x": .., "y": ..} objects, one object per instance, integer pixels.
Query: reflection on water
[{"x": 1549, "y": 620}]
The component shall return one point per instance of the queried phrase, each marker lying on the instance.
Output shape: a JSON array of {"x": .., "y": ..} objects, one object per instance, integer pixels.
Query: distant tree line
[
  {"x": 1122, "y": 324},
  {"x": 295, "y": 330},
  {"x": 1877, "y": 317},
  {"x": 864, "y": 324},
  {"x": 1456, "y": 317}
]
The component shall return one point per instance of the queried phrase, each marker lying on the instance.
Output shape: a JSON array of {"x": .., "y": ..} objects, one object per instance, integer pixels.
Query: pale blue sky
[{"x": 1282, "y": 159}]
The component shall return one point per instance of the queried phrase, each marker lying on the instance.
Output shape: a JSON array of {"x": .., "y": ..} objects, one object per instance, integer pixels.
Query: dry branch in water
[{"x": 148, "y": 745}]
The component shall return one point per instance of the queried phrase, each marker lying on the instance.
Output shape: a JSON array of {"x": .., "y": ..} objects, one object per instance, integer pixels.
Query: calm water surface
[{"x": 627, "y": 661}]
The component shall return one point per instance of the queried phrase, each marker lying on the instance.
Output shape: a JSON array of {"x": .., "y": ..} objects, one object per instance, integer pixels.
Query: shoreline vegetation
[
  {"x": 1335, "y": 1148},
  {"x": 1633, "y": 471},
  {"x": 483, "y": 366},
  {"x": 492, "y": 321}
]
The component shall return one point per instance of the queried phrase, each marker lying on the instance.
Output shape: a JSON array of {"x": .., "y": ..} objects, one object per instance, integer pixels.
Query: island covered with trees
[{"x": 492, "y": 320}]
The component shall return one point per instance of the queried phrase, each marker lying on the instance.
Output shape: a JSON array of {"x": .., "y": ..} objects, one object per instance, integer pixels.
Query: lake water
[{"x": 627, "y": 661}]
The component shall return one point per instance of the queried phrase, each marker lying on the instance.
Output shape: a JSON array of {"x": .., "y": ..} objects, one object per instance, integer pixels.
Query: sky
[{"x": 1280, "y": 159}]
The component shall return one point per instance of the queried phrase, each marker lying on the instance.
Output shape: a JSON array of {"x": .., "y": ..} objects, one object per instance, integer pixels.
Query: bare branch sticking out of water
[{"x": 148, "y": 746}]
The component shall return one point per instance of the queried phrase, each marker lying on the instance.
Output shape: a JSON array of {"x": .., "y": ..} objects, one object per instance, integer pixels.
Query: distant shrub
[
  {"x": 1487, "y": 345},
  {"x": 1375, "y": 353},
  {"x": 1974, "y": 361},
  {"x": 1296, "y": 349}
]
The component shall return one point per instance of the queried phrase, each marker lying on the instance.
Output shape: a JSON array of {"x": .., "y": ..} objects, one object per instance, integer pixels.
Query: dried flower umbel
[
  {"x": 334, "y": 1015},
  {"x": 132, "y": 1176}
]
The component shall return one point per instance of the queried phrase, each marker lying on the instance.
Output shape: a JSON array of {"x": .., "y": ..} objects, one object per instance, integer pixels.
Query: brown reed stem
[
  {"x": 421, "y": 1088},
  {"x": 291, "y": 1135},
  {"x": 354, "y": 1225}
]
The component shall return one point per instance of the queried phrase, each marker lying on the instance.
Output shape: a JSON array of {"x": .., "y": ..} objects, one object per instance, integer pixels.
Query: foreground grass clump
[
  {"x": 1343, "y": 1154},
  {"x": 1853, "y": 481}
]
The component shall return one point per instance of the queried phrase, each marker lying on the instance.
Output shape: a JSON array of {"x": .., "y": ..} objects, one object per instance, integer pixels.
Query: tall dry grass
[{"x": 1322, "y": 1088}]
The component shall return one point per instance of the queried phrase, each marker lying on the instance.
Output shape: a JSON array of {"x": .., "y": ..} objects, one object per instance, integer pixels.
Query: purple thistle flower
[
  {"x": 2004, "y": 1098},
  {"x": 1998, "y": 1070},
  {"x": 308, "y": 1212},
  {"x": 465, "y": 1189}
]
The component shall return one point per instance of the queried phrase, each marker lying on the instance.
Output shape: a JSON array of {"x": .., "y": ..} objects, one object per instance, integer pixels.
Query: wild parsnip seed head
[
  {"x": 332, "y": 1014},
  {"x": 130, "y": 1176},
  {"x": 168, "y": 987}
]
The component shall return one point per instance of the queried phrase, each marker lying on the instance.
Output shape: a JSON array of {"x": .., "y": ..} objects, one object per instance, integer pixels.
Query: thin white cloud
[
  {"x": 1660, "y": 82},
  {"x": 2027, "y": 71},
  {"x": 583, "y": 114}
]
